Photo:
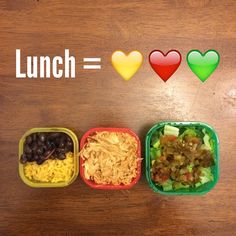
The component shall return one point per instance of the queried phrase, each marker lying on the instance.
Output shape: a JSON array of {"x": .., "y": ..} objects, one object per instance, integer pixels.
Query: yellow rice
[{"x": 51, "y": 171}]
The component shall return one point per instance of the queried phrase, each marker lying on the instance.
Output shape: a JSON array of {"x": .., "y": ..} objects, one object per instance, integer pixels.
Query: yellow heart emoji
[{"x": 126, "y": 65}]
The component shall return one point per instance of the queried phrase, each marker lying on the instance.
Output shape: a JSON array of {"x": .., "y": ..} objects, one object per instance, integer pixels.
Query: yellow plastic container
[{"x": 76, "y": 158}]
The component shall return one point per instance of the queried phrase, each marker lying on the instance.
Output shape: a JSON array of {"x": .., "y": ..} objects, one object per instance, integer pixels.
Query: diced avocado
[
  {"x": 157, "y": 144},
  {"x": 198, "y": 184},
  {"x": 180, "y": 186},
  {"x": 206, "y": 175},
  {"x": 167, "y": 185}
]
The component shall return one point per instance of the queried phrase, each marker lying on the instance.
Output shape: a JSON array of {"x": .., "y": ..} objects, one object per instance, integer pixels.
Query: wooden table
[{"x": 102, "y": 98}]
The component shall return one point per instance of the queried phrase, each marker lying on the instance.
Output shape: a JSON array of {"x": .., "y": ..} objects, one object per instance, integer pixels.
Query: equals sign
[{"x": 92, "y": 59}]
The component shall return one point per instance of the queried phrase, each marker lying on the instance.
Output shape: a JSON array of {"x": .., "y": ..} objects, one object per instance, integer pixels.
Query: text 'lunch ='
[{"x": 47, "y": 67}]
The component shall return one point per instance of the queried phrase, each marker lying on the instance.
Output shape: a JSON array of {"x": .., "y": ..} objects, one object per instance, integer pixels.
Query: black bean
[
  {"x": 55, "y": 153},
  {"x": 64, "y": 135},
  {"x": 29, "y": 139},
  {"x": 53, "y": 135},
  {"x": 61, "y": 150},
  {"x": 34, "y": 147},
  {"x": 50, "y": 144},
  {"x": 62, "y": 143},
  {"x": 23, "y": 158},
  {"x": 30, "y": 158},
  {"x": 40, "y": 161},
  {"x": 34, "y": 137},
  {"x": 40, "y": 151},
  {"x": 45, "y": 148},
  {"x": 61, "y": 156},
  {"x": 27, "y": 149},
  {"x": 57, "y": 141},
  {"x": 69, "y": 145},
  {"x": 42, "y": 146},
  {"x": 39, "y": 143},
  {"x": 36, "y": 157},
  {"x": 42, "y": 137}
]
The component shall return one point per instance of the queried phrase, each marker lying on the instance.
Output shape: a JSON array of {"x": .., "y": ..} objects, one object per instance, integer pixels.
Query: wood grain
[{"x": 101, "y": 98}]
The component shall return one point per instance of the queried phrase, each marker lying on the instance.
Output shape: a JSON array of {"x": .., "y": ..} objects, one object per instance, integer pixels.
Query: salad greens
[{"x": 181, "y": 157}]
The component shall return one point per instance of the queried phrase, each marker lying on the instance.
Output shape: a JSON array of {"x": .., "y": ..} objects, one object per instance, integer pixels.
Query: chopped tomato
[
  {"x": 189, "y": 176},
  {"x": 167, "y": 138},
  {"x": 164, "y": 178},
  {"x": 193, "y": 139},
  {"x": 162, "y": 158}
]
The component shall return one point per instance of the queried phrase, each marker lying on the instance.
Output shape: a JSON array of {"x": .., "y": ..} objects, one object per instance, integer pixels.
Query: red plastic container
[{"x": 91, "y": 183}]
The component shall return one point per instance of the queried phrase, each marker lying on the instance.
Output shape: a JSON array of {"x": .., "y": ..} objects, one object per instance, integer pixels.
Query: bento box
[
  {"x": 87, "y": 165},
  {"x": 174, "y": 158},
  {"x": 48, "y": 157}
]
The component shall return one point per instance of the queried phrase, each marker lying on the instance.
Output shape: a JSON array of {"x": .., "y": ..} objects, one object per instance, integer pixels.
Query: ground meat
[{"x": 177, "y": 156}]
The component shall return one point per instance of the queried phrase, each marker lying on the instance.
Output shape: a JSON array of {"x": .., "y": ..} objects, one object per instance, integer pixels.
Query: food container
[
  {"x": 76, "y": 159},
  {"x": 92, "y": 184},
  {"x": 215, "y": 169}
]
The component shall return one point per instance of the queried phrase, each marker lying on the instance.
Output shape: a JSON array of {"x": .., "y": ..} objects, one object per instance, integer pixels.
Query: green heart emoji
[{"x": 203, "y": 64}]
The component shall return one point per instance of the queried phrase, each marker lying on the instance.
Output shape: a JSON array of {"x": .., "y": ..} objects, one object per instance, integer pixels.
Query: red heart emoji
[{"x": 165, "y": 65}]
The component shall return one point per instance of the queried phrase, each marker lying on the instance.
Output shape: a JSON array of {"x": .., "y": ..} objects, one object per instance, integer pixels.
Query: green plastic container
[
  {"x": 75, "y": 152},
  {"x": 203, "y": 189}
]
